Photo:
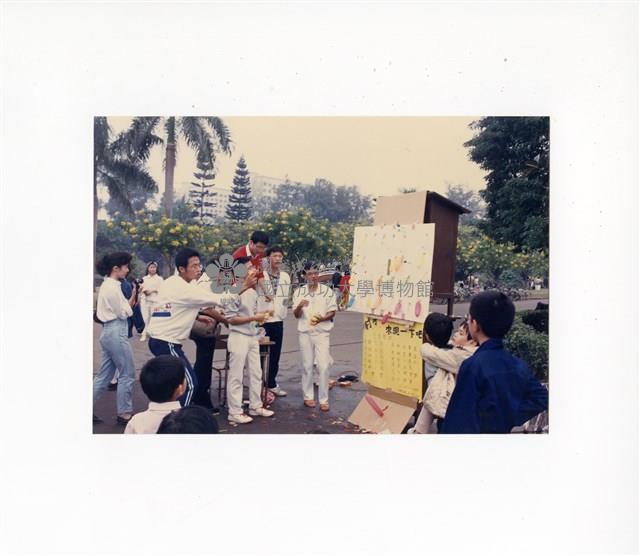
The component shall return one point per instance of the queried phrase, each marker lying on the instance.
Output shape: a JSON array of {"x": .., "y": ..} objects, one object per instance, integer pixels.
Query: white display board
[{"x": 391, "y": 271}]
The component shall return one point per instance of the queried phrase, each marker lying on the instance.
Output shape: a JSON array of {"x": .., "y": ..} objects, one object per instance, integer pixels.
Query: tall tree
[
  {"x": 200, "y": 195},
  {"x": 138, "y": 198},
  {"x": 469, "y": 199},
  {"x": 239, "y": 206},
  {"x": 324, "y": 200},
  {"x": 119, "y": 167},
  {"x": 206, "y": 135},
  {"x": 289, "y": 196},
  {"x": 515, "y": 153},
  {"x": 183, "y": 211}
]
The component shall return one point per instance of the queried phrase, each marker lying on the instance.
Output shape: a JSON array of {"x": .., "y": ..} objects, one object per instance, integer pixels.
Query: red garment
[
  {"x": 255, "y": 260},
  {"x": 344, "y": 283}
]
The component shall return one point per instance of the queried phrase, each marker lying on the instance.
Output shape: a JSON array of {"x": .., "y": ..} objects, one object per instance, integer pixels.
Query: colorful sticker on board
[
  {"x": 398, "y": 308},
  {"x": 418, "y": 308}
]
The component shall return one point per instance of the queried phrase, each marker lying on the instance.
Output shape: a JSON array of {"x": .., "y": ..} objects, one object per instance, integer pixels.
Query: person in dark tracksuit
[
  {"x": 205, "y": 349},
  {"x": 177, "y": 306}
]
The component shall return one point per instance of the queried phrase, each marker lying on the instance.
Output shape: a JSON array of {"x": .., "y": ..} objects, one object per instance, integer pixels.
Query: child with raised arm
[{"x": 446, "y": 362}]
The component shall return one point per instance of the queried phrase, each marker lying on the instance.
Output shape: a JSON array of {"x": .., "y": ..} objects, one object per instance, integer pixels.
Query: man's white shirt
[
  {"x": 177, "y": 306},
  {"x": 280, "y": 297},
  {"x": 321, "y": 302}
]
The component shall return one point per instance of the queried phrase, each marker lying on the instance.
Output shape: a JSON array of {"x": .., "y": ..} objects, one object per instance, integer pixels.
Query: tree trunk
[
  {"x": 166, "y": 259},
  {"x": 170, "y": 164}
]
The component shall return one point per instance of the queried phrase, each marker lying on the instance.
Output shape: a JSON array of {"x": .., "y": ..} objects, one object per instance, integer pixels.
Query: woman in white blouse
[
  {"x": 113, "y": 309},
  {"x": 150, "y": 285}
]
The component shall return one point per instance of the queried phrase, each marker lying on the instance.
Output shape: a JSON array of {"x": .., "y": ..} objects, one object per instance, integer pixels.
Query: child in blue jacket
[{"x": 495, "y": 391}]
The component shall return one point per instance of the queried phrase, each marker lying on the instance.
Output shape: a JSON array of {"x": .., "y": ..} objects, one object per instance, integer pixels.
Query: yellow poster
[{"x": 391, "y": 356}]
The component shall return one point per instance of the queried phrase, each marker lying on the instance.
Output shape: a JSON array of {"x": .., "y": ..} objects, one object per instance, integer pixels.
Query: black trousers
[
  {"x": 274, "y": 331},
  {"x": 202, "y": 369}
]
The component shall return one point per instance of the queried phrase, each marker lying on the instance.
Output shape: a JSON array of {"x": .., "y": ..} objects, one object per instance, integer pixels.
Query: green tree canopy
[
  {"x": 468, "y": 199},
  {"x": 200, "y": 194},
  {"x": 120, "y": 168},
  {"x": 324, "y": 200},
  {"x": 515, "y": 153},
  {"x": 206, "y": 135}
]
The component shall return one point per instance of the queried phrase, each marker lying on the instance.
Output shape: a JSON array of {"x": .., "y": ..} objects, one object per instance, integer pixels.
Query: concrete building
[{"x": 264, "y": 187}]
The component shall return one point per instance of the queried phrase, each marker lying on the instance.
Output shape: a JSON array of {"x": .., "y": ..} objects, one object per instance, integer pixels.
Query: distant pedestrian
[
  {"x": 335, "y": 281},
  {"x": 344, "y": 290},
  {"x": 149, "y": 294}
]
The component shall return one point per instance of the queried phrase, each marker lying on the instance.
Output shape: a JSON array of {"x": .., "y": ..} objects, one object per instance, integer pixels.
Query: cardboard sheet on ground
[
  {"x": 391, "y": 356},
  {"x": 391, "y": 270},
  {"x": 383, "y": 411}
]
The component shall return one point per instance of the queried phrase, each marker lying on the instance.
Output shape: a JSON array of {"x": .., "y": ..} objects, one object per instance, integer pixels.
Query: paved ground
[{"x": 290, "y": 415}]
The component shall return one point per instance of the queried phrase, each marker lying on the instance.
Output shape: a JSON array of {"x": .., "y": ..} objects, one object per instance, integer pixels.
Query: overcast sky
[{"x": 378, "y": 154}]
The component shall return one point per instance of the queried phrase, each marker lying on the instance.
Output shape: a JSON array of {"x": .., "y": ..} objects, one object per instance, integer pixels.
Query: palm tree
[
  {"x": 119, "y": 164},
  {"x": 206, "y": 135}
]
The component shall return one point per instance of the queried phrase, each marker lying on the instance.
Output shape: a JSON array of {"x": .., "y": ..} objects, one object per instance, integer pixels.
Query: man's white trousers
[
  {"x": 315, "y": 347},
  {"x": 244, "y": 352}
]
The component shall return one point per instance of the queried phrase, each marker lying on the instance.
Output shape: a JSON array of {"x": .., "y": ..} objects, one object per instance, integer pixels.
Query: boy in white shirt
[
  {"x": 314, "y": 307},
  {"x": 179, "y": 301},
  {"x": 163, "y": 381},
  {"x": 244, "y": 352}
]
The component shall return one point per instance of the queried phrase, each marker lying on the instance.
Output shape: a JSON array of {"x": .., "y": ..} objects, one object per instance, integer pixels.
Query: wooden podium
[{"x": 388, "y": 410}]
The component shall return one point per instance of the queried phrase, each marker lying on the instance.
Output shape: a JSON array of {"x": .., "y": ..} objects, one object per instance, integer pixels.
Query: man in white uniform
[{"x": 314, "y": 307}]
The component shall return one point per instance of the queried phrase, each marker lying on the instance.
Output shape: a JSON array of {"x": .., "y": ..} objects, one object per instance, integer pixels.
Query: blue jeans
[
  {"x": 160, "y": 347},
  {"x": 116, "y": 354}
]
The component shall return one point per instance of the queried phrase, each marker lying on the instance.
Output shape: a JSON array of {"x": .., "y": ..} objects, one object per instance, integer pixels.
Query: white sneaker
[
  {"x": 143, "y": 338},
  {"x": 278, "y": 391},
  {"x": 240, "y": 419},
  {"x": 261, "y": 412}
]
